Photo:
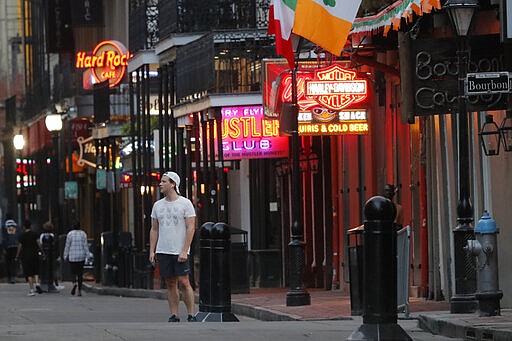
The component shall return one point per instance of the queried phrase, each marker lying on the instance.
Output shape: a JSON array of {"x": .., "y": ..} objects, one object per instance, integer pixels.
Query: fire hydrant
[{"x": 485, "y": 249}]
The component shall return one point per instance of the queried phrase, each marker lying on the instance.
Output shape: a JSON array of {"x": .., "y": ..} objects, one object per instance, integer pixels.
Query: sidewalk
[{"x": 270, "y": 305}]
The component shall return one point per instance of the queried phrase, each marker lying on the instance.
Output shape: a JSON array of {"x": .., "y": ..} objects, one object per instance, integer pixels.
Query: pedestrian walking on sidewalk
[
  {"x": 10, "y": 235},
  {"x": 173, "y": 224},
  {"x": 30, "y": 251},
  {"x": 49, "y": 237},
  {"x": 76, "y": 251}
]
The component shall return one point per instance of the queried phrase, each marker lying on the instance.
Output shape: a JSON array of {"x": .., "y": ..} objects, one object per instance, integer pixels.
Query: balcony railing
[
  {"x": 185, "y": 16},
  {"x": 143, "y": 26},
  {"x": 222, "y": 62}
]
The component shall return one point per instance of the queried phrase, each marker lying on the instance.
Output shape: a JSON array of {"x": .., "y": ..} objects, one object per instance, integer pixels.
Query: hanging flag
[
  {"x": 280, "y": 23},
  {"x": 326, "y": 23}
]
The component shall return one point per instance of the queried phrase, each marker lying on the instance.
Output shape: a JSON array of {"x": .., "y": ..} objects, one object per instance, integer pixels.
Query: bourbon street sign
[
  {"x": 482, "y": 83},
  {"x": 435, "y": 74}
]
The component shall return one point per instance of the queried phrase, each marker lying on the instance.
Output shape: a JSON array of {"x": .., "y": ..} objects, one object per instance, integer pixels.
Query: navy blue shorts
[{"x": 169, "y": 265}]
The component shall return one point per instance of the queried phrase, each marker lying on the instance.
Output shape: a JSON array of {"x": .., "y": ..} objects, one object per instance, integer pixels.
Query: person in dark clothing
[
  {"x": 29, "y": 248},
  {"x": 389, "y": 192},
  {"x": 10, "y": 234}
]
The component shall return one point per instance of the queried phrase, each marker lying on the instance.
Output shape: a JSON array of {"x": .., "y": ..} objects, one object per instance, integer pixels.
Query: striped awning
[{"x": 391, "y": 17}]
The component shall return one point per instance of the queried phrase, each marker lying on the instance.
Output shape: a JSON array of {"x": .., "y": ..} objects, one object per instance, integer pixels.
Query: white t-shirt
[{"x": 172, "y": 228}]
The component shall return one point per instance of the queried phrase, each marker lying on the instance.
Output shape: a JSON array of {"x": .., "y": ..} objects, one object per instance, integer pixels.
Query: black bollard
[
  {"x": 379, "y": 274},
  {"x": 215, "y": 274},
  {"x": 47, "y": 283}
]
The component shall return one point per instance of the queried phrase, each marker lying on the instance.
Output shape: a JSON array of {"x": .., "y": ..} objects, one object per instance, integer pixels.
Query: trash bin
[
  {"x": 266, "y": 268},
  {"x": 355, "y": 269},
  {"x": 142, "y": 270},
  {"x": 239, "y": 261},
  {"x": 124, "y": 259},
  {"x": 65, "y": 268},
  {"x": 107, "y": 259},
  {"x": 89, "y": 265}
]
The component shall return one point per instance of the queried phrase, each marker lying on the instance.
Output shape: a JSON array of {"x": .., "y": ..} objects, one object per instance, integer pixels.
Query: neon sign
[
  {"x": 108, "y": 61},
  {"x": 331, "y": 100},
  {"x": 246, "y": 134},
  {"x": 336, "y": 88},
  {"x": 25, "y": 173}
]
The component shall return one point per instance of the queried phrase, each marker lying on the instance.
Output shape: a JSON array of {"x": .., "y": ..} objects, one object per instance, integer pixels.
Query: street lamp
[
  {"x": 297, "y": 295},
  {"x": 490, "y": 137},
  {"x": 506, "y": 131},
  {"x": 19, "y": 142},
  {"x": 463, "y": 299},
  {"x": 54, "y": 125}
]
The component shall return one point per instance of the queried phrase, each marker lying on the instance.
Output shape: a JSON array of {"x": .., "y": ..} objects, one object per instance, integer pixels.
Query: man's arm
[
  {"x": 191, "y": 230},
  {"x": 153, "y": 238}
]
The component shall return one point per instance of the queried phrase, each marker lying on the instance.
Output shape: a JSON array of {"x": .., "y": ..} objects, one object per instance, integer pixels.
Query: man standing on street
[
  {"x": 10, "y": 234},
  {"x": 173, "y": 221}
]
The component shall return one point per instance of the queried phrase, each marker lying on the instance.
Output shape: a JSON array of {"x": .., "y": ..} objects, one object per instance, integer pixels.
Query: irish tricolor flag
[
  {"x": 326, "y": 23},
  {"x": 280, "y": 23}
]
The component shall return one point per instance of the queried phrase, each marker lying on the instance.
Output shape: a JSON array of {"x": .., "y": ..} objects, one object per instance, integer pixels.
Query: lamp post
[
  {"x": 463, "y": 299},
  {"x": 297, "y": 295},
  {"x": 19, "y": 142},
  {"x": 54, "y": 125}
]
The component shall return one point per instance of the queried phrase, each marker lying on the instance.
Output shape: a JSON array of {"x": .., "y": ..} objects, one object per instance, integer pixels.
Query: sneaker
[
  {"x": 38, "y": 289},
  {"x": 191, "y": 318},
  {"x": 59, "y": 287},
  {"x": 31, "y": 293},
  {"x": 174, "y": 318}
]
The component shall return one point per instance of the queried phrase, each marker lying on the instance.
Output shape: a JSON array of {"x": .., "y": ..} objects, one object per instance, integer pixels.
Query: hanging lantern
[
  {"x": 490, "y": 137},
  {"x": 506, "y": 131}
]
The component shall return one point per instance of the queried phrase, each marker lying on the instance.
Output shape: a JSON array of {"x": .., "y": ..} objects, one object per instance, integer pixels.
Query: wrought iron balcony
[
  {"x": 222, "y": 62},
  {"x": 143, "y": 25},
  {"x": 186, "y": 16}
]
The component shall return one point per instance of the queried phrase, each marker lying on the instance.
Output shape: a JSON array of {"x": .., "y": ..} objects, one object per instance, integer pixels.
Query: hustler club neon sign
[
  {"x": 108, "y": 61},
  {"x": 246, "y": 134}
]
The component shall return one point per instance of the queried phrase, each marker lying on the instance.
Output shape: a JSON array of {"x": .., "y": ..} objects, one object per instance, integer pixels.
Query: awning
[{"x": 391, "y": 17}]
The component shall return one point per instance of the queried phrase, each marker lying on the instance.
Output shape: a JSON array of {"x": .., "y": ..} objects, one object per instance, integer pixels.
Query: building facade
[{"x": 196, "y": 98}]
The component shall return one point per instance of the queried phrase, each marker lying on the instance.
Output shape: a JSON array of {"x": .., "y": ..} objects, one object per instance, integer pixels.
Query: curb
[
  {"x": 466, "y": 327},
  {"x": 236, "y": 308}
]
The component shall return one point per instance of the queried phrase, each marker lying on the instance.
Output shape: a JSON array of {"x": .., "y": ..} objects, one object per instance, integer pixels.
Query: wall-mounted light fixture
[
  {"x": 490, "y": 137},
  {"x": 506, "y": 131}
]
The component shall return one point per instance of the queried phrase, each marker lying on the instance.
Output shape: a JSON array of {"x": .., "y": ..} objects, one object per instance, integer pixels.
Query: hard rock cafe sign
[{"x": 107, "y": 62}]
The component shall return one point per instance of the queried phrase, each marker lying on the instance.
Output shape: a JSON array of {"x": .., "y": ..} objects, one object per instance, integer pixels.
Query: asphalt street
[{"x": 61, "y": 316}]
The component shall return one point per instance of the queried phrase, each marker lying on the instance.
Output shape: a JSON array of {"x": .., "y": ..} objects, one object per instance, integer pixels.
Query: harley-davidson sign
[
  {"x": 336, "y": 88},
  {"x": 331, "y": 100},
  {"x": 108, "y": 61}
]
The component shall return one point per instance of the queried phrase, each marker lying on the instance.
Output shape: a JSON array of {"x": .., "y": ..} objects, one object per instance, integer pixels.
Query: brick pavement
[{"x": 325, "y": 304}]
